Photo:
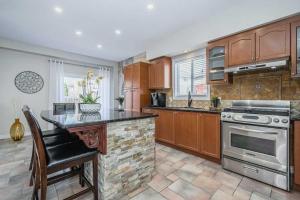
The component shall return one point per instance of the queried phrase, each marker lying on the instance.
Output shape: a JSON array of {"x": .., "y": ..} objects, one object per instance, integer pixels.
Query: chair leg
[
  {"x": 36, "y": 183},
  {"x": 33, "y": 172},
  {"x": 31, "y": 160},
  {"x": 81, "y": 174},
  {"x": 43, "y": 185},
  {"x": 95, "y": 177}
]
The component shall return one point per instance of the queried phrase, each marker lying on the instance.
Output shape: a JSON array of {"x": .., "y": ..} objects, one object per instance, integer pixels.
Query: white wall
[
  {"x": 241, "y": 15},
  {"x": 13, "y": 62}
]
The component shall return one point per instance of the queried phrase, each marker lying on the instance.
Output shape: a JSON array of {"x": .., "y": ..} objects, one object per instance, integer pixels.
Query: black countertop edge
[
  {"x": 295, "y": 118},
  {"x": 186, "y": 109}
]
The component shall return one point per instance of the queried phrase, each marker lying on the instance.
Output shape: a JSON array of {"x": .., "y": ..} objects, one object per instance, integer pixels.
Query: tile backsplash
[{"x": 276, "y": 85}]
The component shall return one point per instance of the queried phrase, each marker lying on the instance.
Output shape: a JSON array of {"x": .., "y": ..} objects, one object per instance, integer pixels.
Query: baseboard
[{"x": 7, "y": 136}]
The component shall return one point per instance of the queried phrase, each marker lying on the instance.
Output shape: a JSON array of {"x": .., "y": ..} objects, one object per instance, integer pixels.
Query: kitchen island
[{"x": 126, "y": 143}]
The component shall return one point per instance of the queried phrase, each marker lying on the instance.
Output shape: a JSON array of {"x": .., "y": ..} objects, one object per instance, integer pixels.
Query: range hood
[{"x": 258, "y": 66}]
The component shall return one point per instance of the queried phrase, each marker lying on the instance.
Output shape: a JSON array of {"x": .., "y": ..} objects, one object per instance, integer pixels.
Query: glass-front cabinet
[
  {"x": 217, "y": 61},
  {"x": 295, "y": 50}
]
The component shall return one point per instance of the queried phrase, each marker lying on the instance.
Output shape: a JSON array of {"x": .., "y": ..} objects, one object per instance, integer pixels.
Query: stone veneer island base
[{"x": 129, "y": 162}]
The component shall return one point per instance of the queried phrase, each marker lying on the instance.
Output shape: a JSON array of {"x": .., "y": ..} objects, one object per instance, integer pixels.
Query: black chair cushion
[
  {"x": 55, "y": 140},
  {"x": 56, "y": 131},
  {"x": 68, "y": 152}
]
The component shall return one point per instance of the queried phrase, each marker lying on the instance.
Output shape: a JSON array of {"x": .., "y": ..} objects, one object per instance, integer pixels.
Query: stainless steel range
[{"x": 255, "y": 140}]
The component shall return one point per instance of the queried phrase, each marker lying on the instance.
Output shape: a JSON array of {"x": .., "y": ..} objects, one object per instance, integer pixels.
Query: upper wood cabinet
[
  {"x": 185, "y": 127},
  {"x": 273, "y": 41},
  {"x": 209, "y": 134},
  {"x": 217, "y": 62},
  {"x": 295, "y": 50},
  {"x": 136, "y": 84},
  {"x": 165, "y": 126},
  {"x": 160, "y": 73},
  {"x": 242, "y": 49}
]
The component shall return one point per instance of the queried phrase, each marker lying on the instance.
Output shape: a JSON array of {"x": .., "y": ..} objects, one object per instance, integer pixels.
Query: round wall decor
[{"x": 29, "y": 82}]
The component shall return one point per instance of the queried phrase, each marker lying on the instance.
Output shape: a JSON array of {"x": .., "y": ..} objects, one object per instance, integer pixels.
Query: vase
[
  {"x": 17, "y": 130},
  {"x": 89, "y": 107}
]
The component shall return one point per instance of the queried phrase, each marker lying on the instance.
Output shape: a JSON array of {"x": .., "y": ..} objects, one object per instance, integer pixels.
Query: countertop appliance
[
  {"x": 158, "y": 99},
  {"x": 255, "y": 140}
]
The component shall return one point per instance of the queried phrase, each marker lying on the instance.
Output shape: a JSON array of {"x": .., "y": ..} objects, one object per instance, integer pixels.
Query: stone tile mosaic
[{"x": 202, "y": 179}]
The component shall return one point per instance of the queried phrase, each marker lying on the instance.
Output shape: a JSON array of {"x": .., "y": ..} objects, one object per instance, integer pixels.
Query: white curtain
[
  {"x": 56, "y": 82},
  {"x": 105, "y": 88}
]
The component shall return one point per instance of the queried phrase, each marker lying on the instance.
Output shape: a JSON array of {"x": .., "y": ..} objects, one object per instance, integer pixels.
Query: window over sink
[{"x": 189, "y": 74}]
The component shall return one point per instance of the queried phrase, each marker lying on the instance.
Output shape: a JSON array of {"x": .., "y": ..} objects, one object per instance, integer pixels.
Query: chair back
[{"x": 40, "y": 148}]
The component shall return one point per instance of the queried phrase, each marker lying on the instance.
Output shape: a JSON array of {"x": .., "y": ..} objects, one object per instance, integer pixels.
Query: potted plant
[
  {"x": 90, "y": 93},
  {"x": 215, "y": 101},
  {"x": 120, "y": 101}
]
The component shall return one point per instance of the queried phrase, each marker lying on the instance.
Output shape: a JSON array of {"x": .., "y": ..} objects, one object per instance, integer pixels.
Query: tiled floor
[{"x": 178, "y": 176}]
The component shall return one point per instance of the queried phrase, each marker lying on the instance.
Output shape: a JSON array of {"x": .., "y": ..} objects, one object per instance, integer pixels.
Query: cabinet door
[
  {"x": 185, "y": 127},
  {"x": 128, "y": 77},
  {"x": 209, "y": 134},
  {"x": 152, "y": 82},
  {"x": 295, "y": 51},
  {"x": 136, "y": 100},
  {"x": 273, "y": 42},
  {"x": 165, "y": 123},
  {"x": 242, "y": 49},
  {"x": 296, "y": 151},
  {"x": 128, "y": 99},
  {"x": 136, "y": 75},
  {"x": 217, "y": 62}
]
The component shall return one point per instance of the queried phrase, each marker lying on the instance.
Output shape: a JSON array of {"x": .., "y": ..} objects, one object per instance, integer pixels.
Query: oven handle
[{"x": 251, "y": 130}]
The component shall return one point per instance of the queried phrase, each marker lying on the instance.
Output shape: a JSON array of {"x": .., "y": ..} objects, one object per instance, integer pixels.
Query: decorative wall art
[{"x": 29, "y": 82}]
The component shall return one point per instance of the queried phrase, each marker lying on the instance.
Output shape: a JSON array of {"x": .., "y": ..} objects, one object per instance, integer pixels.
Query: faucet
[{"x": 190, "y": 100}]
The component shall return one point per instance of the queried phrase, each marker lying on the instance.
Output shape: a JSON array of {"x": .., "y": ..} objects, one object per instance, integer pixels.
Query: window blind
[{"x": 190, "y": 75}]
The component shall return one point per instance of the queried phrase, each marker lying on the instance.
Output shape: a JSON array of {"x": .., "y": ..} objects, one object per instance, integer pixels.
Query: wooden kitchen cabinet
[
  {"x": 273, "y": 41},
  {"x": 295, "y": 49},
  {"x": 136, "y": 82},
  {"x": 297, "y": 152},
  {"x": 165, "y": 126},
  {"x": 217, "y": 62},
  {"x": 185, "y": 127},
  {"x": 160, "y": 73},
  {"x": 242, "y": 49},
  {"x": 209, "y": 134}
]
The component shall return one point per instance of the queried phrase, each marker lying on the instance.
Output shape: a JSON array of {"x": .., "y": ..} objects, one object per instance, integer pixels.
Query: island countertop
[{"x": 71, "y": 119}]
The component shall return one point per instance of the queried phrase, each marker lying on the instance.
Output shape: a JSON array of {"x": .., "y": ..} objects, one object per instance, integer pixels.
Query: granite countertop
[
  {"x": 295, "y": 116},
  {"x": 186, "y": 109},
  {"x": 69, "y": 119}
]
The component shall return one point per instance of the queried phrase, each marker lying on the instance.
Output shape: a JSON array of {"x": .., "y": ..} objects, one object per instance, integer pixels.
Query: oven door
[{"x": 256, "y": 144}]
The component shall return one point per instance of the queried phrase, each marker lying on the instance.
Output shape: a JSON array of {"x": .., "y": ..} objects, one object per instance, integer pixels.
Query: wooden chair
[{"x": 50, "y": 160}]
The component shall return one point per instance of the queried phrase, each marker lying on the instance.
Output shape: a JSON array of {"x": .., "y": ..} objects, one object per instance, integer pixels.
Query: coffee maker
[{"x": 158, "y": 99}]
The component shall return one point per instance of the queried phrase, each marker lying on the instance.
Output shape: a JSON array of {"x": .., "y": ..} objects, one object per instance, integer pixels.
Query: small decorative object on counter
[
  {"x": 90, "y": 93},
  {"x": 17, "y": 130},
  {"x": 120, "y": 101},
  {"x": 215, "y": 102}
]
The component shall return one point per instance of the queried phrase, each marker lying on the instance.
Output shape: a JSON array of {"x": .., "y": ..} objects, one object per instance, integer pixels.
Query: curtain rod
[
  {"x": 88, "y": 65},
  {"x": 93, "y": 65}
]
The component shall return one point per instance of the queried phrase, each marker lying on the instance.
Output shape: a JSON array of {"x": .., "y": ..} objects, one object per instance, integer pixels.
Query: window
[
  {"x": 72, "y": 90},
  {"x": 190, "y": 75}
]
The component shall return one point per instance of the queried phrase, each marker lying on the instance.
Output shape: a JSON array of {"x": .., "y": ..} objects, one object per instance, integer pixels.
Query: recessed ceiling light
[
  {"x": 118, "y": 32},
  {"x": 58, "y": 9},
  {"x": 150, "y": 6},
  {"x": 99, "y": 46},
  {"x": 78, "y": 33}
]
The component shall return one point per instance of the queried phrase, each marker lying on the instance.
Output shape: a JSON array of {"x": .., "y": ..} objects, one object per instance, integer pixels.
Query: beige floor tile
[
  {"x": 149, "y": 194},
  {"x": 207, "y": 183},
  {"x": 169, "y": 194},
  {"x": 220, "y": 195},
  {"x": 278, "y": 194},
  {"x": 255, "y": 186},
  {"x": 258, "y": 196},
  {"x": 159, "y": 182},
  {"x": 242, "y": 194},
  {"x": 188, "y": 191},
  {"x": 188, "y": 172},
  {"x": 227, "y": 189},
  {"x": 165, "y": 169},
  {"x": 227, "y": 179},
  {"x": 173, "y": 177}
]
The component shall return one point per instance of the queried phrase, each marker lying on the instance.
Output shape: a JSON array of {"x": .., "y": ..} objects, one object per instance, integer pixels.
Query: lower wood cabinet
[
  {"x": 185, "y": 128},
  {"x": 209, "y": 134},
  {"x": 194, "y": 131},
  {"x": 296, "y": 152},
  {"x": 165, "y": 126}
]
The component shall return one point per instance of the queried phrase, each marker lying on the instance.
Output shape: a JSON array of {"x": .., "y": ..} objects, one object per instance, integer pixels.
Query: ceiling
[{"x": 36, "y": 22}]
